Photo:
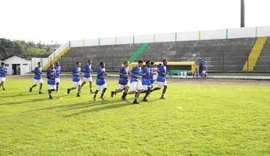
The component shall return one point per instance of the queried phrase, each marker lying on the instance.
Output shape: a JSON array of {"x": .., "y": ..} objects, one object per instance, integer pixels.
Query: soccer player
[
  {"x": 37, "y": 78},
  {"x": 57, "y": 73},
  {"x": 76, "y": 72},
  {"x": 3, "y": 74},
  {"x": 146, "y": 80},
  {"x": 123, "y": 81},
  {"x": 100, "y": 81},
  {"x": 87, "y": 77},
  {"x": 51, "y": 76},
  {"x": 201, "y": 63},
  {"x": 161, "y": 79},
  {"x": 154, "y": 73},
  {"x": 135, "y": 83}
]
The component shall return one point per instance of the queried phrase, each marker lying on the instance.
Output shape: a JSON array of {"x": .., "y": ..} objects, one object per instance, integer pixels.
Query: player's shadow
[
  {"x": 71, "y": 106},
  {"x": 64, "y": 106},
  {"x": 23, "y": 102},
  {"x": 98, "y": 109},
  {"x": 15, "y": 95},
  {"x": 113, "y": 105},
  {"x": 85, "y": 106},
  {"x": 90, "y": 104}
]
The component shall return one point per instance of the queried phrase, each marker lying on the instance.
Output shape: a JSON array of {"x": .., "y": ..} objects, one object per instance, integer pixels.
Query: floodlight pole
[{"x": 242, "y": 13}]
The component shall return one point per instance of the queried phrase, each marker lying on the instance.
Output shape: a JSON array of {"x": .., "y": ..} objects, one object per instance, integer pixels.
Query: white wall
[
  {"x": 213, "y": 34},
  {"x": 179, "y": 36},
  {"x": 25, "y": 65}
]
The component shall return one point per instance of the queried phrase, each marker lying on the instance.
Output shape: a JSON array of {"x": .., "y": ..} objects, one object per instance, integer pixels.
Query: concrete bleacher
[
  {"x": 220, "y": 55},
  {"x": 227, "y": 55},
  {"x": 263, "y": 64},
  {"x": 112, "y": 55}
]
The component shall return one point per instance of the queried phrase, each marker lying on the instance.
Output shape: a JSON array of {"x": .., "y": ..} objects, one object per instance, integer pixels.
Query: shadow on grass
[
  {"x": 106, "y": 107},
  {"x": 14, "y": 95},
  {"x": 85, "y": 106},
  {"x": 71, "y": 106},
  {"x": 23, "y": 102},
  {"x": 94, "y": 103},
  {"x": 59, "y": 107},
  {"x": 28, "y": 101}
]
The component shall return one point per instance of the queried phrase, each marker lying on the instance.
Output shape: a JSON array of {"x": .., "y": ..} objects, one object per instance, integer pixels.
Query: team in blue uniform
[
  {"x": 100, "y": 81},
  {"x": 87, "y": 76},
  {"x": 76, "y": 78},
  {"x": 57, "y": 74},
  {"x": 37, "y": 78},
  {"x": 141, "y": 79},
  {"x": 161, "y": 78},
  {"x": 122, "y": 81},
  {"x": 51, "y": 80},
  {"x": 3, "y": 74}
]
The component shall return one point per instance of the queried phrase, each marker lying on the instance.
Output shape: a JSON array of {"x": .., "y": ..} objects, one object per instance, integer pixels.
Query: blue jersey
[
  {"x": 135, "y": 72},
  {"x": 37, "y": 73},
  {"x": 146, "y": 76},
  {"x": 76, "y": 72},
  {"x": 201, "y": 63},
  {"x": 123, "y": 80},
  {"x": 87, "y": 71},
  {"x": 100, "y": 76},
  {"x": 162, "y": 71},
  {"x": 3, "y": 71},
  {"x": 51, "y": 75},
  {"x": 57, "y": 71}
]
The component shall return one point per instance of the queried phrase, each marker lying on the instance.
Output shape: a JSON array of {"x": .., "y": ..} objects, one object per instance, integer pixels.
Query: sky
[{"x": 63, "y": 20}]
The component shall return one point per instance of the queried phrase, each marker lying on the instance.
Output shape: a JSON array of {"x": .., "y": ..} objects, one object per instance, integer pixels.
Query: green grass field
[{"x": 197, "y": 118}]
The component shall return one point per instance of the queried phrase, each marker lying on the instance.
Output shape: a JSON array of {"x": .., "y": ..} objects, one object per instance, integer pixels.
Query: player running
[
  {"x": 76, "y": 72},
  {"x": 100, "y": 81},
  {"x": 57, "y": 74},
  {"x": 135, "y": 83},
  {"x": 87, "y": 77},
  {"x": 3, "y": 74},
  {"x": 154, "y": 73},
  {"x": 146, "y": 80},
  {"x": 37, "y": 78},
  {"x": 201, "y": 64},
  {"x": 51, "y": 76},
  {"x": 161, "y": 79},
  {"x": 123, "y": 81}
]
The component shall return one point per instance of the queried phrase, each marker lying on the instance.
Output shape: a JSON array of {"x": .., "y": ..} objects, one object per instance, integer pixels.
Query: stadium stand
[
  {"x": 112, "y": 55},
  {"x": 225, "y": 55}
]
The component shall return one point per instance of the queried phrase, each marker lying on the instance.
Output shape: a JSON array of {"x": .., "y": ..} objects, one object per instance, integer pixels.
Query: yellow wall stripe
[{"x": 254, "y": 54}]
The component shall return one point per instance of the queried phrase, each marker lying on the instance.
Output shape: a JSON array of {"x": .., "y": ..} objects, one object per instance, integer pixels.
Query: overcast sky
[{"x": 63, "y": 20}]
